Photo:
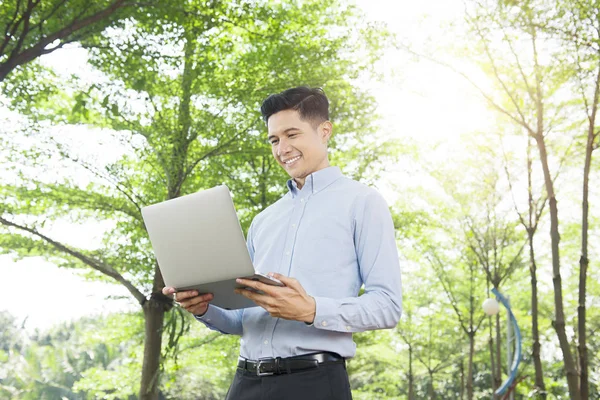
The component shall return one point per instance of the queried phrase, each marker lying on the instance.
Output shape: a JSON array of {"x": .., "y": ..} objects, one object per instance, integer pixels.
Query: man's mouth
[{"x": 291, "y": 161}]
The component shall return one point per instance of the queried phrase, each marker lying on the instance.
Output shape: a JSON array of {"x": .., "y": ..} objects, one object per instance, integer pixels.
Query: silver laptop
[{"x": 199, "y": 244}]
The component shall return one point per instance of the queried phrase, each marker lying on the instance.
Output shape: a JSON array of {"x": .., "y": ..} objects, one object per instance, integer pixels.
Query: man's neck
[{"x": 300, "y": 182}]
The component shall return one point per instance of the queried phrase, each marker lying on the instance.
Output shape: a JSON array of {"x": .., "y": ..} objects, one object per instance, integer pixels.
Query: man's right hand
[{"x": 190, "y": 300}]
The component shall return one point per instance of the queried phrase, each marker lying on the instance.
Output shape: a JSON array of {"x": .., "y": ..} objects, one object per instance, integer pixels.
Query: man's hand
[
  {"x": 190, "y": 300},
  {"x": 288, "y": 302}
]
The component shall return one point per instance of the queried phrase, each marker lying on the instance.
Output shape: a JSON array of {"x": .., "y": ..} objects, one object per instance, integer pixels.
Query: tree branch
[
  {"x": 25, "y": 18},
  {"x": 448, "y": 292},
  {"x": 513, "y": 264},
  {"x": 208, "y": 339},
  {"x": 50, "y": 14},
  {"x": 519, "y": 66},
  {"x": 114, "y": 183},
  {"x": 94, "y": 264},
  {"x": 210, "y": 153},
  {"x": 482, "y": 255},
  {"x": 36, "y": 50},
  {"x": 512, "y": 192},
  {"x": 481, "y": 319},
  {"x": 11, "y": 27},
  {"x": 482, "y": 92},
  {"x": 495, "y": 69},
  {"x": 579, "y": 80}
]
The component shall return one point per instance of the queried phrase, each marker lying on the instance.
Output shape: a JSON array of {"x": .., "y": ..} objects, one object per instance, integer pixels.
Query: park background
[{"x": 475, "y": 119}]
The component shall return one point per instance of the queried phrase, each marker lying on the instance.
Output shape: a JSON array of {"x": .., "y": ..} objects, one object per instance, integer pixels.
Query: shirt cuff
[
  {"x": 327, "y": 315},
  {"x": 207, "y": 316}
]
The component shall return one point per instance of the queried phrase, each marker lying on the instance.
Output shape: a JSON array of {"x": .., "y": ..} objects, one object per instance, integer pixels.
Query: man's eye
[
  {"x": 273, "y": 142},
  {"x": 292, "y": 135}
]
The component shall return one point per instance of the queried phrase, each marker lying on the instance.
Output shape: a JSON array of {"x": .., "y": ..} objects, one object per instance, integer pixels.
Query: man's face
[{"x": 298, "y": 146}]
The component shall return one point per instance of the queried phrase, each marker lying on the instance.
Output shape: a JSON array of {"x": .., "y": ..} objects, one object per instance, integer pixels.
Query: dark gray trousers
[{"x": 327, "y": 382}]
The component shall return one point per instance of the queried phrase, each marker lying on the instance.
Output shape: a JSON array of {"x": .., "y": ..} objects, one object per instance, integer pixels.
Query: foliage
[{"x": 169, "y": 106}]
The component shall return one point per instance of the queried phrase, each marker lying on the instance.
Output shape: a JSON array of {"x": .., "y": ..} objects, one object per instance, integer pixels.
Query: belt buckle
[{"x": 259, "y": 372}]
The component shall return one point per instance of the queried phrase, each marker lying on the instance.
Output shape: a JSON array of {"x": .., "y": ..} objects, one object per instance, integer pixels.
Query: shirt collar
[{"x": 316, "y": 181}]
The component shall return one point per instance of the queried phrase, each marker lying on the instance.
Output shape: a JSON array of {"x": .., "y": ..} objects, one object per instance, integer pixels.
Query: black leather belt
[{"x": 277, "y": 366}]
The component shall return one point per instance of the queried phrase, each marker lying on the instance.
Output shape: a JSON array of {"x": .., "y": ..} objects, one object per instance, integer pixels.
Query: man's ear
[{"x": 325, "y": 130}]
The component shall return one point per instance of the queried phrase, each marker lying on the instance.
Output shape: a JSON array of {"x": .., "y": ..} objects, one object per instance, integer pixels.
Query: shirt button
[
  {"x": 301, "y": 200},
  {"x": 324, "y": 323},
  {"x": 293, "y": 225},
  {"x": 266, "y": 342},
  {"x": 287, "y": 253},
  {"x": 347, "y": 328}
]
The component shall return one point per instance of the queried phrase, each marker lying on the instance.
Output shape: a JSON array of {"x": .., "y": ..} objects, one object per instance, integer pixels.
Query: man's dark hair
[{"x": 311, "y": 103}]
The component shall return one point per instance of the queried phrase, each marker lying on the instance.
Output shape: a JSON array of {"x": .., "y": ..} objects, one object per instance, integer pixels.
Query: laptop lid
[{"x": 199, "y": 243}]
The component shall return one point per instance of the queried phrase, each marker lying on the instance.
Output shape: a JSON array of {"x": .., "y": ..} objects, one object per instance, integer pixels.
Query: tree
[
  {"x": 33, "y": 28},
  {"x": 182, "y": 93},
  {"x": 425, "y": 328},
  {"x": 100, "y": 357},
  {"x": 50, "y": 363},
  {"x": 407, "y": 331},
  {"x": 520, "y": 47},
  {"x": 535, "y": 207},
  {"x": 497, "y": 247},
  {"x": 463, "y": 298},
  {"x": 579, "y": 31},
  {"x": 524, "y": 91}
]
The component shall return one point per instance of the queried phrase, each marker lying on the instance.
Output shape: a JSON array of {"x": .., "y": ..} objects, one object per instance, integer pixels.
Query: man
[{"x": 324, "y": 239}]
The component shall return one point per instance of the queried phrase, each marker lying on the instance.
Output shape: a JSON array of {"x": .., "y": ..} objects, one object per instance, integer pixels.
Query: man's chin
[{"x": 299, "y": 176}]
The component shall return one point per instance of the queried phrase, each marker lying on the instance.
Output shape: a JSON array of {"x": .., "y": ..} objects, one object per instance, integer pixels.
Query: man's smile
[{"x": 291, "y": 161}]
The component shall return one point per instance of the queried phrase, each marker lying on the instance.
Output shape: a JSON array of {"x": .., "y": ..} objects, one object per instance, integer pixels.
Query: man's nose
[{"x": 283, "y": 147}]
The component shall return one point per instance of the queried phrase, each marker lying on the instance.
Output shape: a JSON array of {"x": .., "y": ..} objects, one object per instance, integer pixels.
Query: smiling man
[{"x": 324, "y": 239}]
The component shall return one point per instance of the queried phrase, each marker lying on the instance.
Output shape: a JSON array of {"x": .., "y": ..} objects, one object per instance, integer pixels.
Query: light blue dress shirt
[{"x": 333, "y": 236}]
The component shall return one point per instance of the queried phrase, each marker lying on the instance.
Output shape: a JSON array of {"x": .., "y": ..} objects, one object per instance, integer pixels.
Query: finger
[
  {"x": 181, "y": 296},
  {"x": 252, "y": 295},
  {"x": 266, "y": 302},
  {"x": 244, "y": 282},
  {"x": 286, "y": 280},
  {"x": 267, "y": 289},
  {"x": 246, "y": 293},
  {"x": 168, "y": 290},
  {"x": 196, "y": 300},
  {"x": 198, "y": 308}
]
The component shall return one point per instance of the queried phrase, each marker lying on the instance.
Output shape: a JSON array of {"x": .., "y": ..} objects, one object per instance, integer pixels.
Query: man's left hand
[{"x": 288, "y": 302}]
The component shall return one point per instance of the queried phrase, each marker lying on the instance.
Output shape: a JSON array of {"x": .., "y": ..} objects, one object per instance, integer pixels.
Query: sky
[{"x": 418, "y": 101}]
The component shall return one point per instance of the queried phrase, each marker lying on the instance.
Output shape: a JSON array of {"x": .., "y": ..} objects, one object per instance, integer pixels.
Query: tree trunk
[
  {"x": 535, "y": 335},
  {"x": 583, "y": 260},
  {"x": 154, "y": 309},
  {"x": 498, "y": 353},
  {"x": 431, "y": 391},
  {"x": 559, "y": 322},
  {"x": 411, "y": 389},
  {"x": 462, "y": 378},
  {"x": 531, "y": 228},
  {"x": 581, "y": 328},
  {"x": 470, "y": 366},
  {"x": 583, "y": 266},
  {"x": 495, "y": 384},
  {"x": 154, "y": 314}
]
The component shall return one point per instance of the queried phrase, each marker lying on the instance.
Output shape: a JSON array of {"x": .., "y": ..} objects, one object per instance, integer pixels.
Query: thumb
[
  {"x": 287, "y": 281},
  {"x": 168, "y": 290}
]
